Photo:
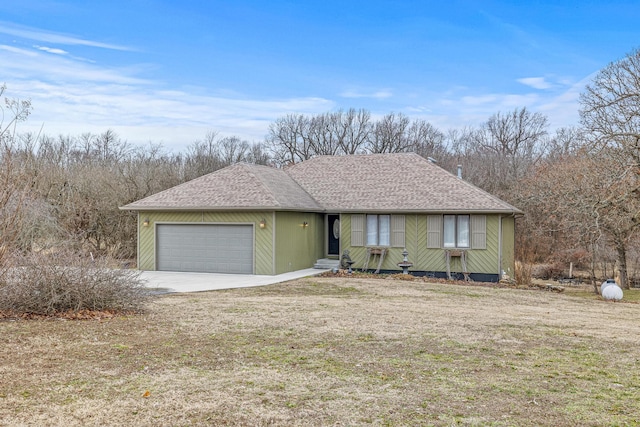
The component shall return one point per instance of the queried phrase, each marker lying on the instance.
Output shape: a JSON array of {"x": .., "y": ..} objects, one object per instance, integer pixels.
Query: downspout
[
  {"x": 138, "y": 244},
  {"x": 499, "y": 247},
  {"x": 415, "y": 241},
  {"x": 339, "y": 240},
  {"x": 273, "y": 243}
]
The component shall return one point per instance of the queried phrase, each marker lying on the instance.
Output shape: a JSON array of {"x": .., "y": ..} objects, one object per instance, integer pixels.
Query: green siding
[
  {"x": 359, "y": 253},
  {"x": 263, "y": 262},
  {"x": 478, "y": 260},
  {"x": 298, "y": 247},
  {"x": 508, "y": 245}
]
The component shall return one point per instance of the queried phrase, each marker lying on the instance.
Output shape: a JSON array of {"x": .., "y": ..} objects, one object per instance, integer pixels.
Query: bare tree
[
  {"x": 426, "y": 140},
  {"x": 232, "y": 150},
  {"x": 13, "y": 112},
  {"x": 288, "y": 139},
  {"x": 296, "y": 137},
  {"x": 582, "y": 199},
  {"x": 354, "y": 128},
  {"x": 517, "y": 138},
  {"x": 502, "y": 150},
  {"x": 202, "y": 157},
  {"x": 610, "y": 106},
  {"x": 389, "y": 134},
  {"x": 14, "y": 182},
  {"x": 258, "y": 154},
  {"x": 566, "y": 141}
]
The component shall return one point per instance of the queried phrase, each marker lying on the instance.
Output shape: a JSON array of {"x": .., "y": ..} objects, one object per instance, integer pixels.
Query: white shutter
[
  {"x": 434, "y": 229},
  {"x": 397, "y": 231},
  {"x": 357, "y": 230},
  {"x": 479, "y": 232}
]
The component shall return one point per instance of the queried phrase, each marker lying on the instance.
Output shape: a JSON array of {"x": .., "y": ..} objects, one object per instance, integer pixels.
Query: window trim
[
  {"x": 457, "y": 231},
  {"x": 378, "y": 226},
  {"x": 395, "y": 230}
]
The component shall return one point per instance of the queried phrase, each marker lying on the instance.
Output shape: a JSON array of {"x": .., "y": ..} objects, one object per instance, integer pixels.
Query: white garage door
[{"x": 205, "y": 248}]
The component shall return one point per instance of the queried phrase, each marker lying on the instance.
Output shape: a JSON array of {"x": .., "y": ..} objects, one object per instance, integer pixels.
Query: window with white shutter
[
  {"x": 479, "y": 232},
  {"x": 434, "y": 229},
  {"x": 357, "y": 230},
  {"x": 397, "y": 231}
]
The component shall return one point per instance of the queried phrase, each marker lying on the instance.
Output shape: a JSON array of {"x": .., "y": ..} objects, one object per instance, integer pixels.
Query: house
[{"x": 261, "y": 220}]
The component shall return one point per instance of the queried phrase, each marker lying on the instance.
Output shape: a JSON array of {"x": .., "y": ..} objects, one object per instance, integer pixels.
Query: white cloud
[
  {"x": 140, "y": 115},
  {"x": 378, "y": 94},
  {"x": 17, "y": 51},
  {"x": 54, "y": 38},
  {"x": 22, "y": 64},
  {"x": 460, "y": 108},
  {"x": 479, "y": 100},
  {"x": 535, "y": 82},
  {"x": 75, "y": 97},
  {"x": 52, "y": 50}
]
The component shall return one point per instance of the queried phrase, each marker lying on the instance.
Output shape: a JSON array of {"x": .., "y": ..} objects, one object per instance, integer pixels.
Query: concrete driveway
[{"x": 169, "y": 281}]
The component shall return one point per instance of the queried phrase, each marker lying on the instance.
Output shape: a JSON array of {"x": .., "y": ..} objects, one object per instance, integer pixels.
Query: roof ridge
[
  {"x": 304, "y": 189},
  {"x": 183, "y": 184},
  {"x": 250, "y": 167},
  {"x": 331, "y": 183},
  {"x": 473, "y": 186}
]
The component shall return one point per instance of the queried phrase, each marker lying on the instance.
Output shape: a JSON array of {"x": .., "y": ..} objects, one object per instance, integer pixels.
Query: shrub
[
  {"x": 522, "y": 274},
  {"x": 549, "y": 271},
  {"x": 48, "y": 285}
]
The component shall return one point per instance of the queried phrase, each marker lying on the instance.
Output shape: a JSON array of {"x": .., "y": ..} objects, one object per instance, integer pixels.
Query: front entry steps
[{"x": 327, "y": 264}]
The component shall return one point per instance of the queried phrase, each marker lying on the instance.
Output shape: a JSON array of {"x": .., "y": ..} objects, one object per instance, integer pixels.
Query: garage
[{"x": 206, "y": 248}]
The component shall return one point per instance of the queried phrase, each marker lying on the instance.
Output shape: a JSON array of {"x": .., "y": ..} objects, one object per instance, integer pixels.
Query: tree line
[{"x": 578, "y": 186}]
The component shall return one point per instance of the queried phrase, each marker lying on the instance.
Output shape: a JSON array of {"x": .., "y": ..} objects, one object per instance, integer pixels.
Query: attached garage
[{"x": 205, "y": 248}]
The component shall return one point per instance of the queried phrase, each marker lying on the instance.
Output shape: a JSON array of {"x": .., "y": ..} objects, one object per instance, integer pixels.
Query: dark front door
[{"x": 333, "y": 234}]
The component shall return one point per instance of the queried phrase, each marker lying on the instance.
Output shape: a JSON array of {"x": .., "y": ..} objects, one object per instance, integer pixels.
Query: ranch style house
[{"x": 252, "y": 219}]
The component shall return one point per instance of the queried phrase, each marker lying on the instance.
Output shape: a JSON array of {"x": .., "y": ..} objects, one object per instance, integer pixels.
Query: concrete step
[{"x": 327, "y": 264}]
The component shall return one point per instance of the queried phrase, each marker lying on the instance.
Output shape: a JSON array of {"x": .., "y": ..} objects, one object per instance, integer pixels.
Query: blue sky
[{"x": 170, "y": 71}]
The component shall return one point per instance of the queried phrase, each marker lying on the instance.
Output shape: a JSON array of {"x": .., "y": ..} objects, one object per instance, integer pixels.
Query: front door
[{"x": 333, "y": 235}]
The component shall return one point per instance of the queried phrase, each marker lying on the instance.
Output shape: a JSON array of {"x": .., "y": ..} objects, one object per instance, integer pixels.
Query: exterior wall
[
  {"x": 508, "y": 245},
  {"x": 479, "y": 261},
  {"x": 284, "y": 245},
  {"x": 298, "y": 247},
  {"x": 263, "y": 250},
  {"x": 393, "y": 256}
]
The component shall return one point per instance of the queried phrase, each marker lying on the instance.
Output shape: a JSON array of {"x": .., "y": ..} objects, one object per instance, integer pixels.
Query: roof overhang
[
  {"x": 514, "y": 212},
  {"x": 215, "y": 209}
]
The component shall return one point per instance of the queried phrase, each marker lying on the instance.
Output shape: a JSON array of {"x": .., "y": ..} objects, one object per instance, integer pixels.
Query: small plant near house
[
  {"x": 68, "y": 285},
  {"x": 523, "y": 273}
]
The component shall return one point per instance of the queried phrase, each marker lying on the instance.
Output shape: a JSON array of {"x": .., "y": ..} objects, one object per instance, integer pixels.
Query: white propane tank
[
  {"x": 607, "y": 283},
  {"x": 611, "y": 291}
]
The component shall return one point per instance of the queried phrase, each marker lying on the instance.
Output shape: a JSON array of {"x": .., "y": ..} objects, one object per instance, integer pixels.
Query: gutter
[{"x": 317, "y": 210}]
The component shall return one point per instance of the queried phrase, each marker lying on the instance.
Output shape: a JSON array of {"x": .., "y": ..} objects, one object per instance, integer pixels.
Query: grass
[{"x": 327, "y": 351}]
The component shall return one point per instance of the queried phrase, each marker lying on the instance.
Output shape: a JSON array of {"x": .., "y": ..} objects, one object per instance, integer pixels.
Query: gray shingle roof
[
  {"x": 390, "y": 182},
  {"x": 240, "y": 186},
  {"x": 401, "y": 182}
]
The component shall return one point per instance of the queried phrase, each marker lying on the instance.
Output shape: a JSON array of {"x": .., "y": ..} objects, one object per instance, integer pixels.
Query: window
[
  {"x": 378, "y": 230},
  {"x": 456, "y": 231}
]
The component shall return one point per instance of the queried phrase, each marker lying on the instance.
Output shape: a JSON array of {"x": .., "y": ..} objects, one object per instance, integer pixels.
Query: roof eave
[
  {"x": 218, "y": 208},
  {"x": 515, "y": 212}
]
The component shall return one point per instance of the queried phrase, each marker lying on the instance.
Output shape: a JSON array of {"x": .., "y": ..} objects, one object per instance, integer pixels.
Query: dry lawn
[{"x": 327, "y": 351}]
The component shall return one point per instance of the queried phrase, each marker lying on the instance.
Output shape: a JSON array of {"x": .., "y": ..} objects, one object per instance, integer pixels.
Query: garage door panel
[{"x": 214, "y": 248}]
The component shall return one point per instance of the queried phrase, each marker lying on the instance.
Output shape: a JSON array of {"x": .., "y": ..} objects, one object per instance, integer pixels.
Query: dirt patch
[{"x": 331, "y": 351}]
